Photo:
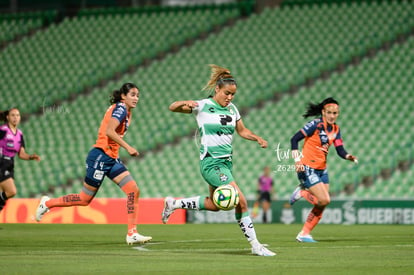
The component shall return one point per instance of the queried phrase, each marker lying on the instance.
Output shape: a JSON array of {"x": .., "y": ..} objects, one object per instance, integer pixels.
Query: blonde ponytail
[{"x": 218, "y": 76}]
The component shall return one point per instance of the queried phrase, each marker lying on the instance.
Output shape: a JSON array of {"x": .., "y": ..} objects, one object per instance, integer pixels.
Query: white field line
[{"x": 144, "y": 247}]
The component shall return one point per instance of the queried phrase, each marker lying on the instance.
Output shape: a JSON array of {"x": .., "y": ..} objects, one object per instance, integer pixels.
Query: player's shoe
[
  {"x": 305, "y": 238},
  {"x": 260, "y": 250},
  {"x": 295, "y": 195},
  {"x": 42, "y": 208},
  {"x": 168, "y": 209},
  {"x": 137, "y": 238}
]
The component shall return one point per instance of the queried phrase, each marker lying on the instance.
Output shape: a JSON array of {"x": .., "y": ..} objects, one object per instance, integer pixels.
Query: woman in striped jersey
[{"x": 218, "y": 118}]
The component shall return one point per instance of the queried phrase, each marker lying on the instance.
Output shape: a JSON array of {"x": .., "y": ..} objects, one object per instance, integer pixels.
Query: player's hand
[
  {"x": 262, "y": 142},
  {"x": 352, "y": 158},
  {"x": 190, "y": 103},
  {"x": 133, "y": 152},
  {"x": 299, "y": 166},
  {"x": 34, "y": 157}
]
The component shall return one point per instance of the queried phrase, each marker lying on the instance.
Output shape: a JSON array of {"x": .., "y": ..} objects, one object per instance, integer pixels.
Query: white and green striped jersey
[{"x": 216, "y": 125}]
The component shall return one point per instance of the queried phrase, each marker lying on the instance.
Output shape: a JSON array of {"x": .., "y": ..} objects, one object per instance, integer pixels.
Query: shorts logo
[
  {"x": 223, "y": 177},
  {"x": 98, "y": 175}
]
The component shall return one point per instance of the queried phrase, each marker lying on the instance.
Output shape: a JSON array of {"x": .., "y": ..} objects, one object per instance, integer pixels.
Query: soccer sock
[
  {"x": 309, "y": 197},
  {"x": 192, "y": 203},
  {"x": 131, "y": 190},
  {"x": 3, "y": 199},
  {"x": 246, "y": 226},
  {"x": 81, "y": 199},
  {"x": 313, "y": 219}
]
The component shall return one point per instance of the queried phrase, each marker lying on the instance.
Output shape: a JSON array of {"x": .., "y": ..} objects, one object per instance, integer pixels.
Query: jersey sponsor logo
[
  {"x": 10, "y": 144},
  {"x": 98, "y": 175},
  {"x": 224, "y": 119}
]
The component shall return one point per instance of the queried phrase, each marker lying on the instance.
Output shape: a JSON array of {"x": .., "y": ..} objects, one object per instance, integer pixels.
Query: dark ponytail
[
  {"x": 316, "y": 109},
  {"x": 3, "y": 115},
  {"x": 117, "y": 94}
]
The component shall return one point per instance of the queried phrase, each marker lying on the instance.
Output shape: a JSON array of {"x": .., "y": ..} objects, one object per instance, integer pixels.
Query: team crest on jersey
[
  {"x": 231, "y": 110},
  {"x": 223, "y": 177}
]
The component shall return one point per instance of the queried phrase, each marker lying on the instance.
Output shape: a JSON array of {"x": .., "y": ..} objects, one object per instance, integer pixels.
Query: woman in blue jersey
[
  {"x": 11, "y": 144},
  {"x": 218, "y": 118}
]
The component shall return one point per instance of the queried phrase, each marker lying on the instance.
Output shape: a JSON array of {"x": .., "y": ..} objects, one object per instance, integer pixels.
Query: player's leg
[
  {"x": 265, "y": 207},
  {"x": 211, "y": 170},
  {"x": 316, "y": 182},
  {"x": 7, "y": 191},
  {"x": 95, "y": 174},
  {"x": 247, "y": 227},
  {"x": 301, "y": 191},
  {"x": 128, "y": 185},
  {"x": 320, "y": 191},
  {"x": 85, "y": 196},
  {"x": 191, "y": 203}
]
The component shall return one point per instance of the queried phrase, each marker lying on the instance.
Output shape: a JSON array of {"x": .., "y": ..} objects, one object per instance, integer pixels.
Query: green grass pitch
[{"x": 204, "y": 249}]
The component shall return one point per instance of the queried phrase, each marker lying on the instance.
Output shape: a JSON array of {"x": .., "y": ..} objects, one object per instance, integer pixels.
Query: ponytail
[
  {"x": 316, "y": 109},
  {"x": 117, "y": 94},
  {"x": 3, "y": 115},
  {"x": 219, "y": 77}
]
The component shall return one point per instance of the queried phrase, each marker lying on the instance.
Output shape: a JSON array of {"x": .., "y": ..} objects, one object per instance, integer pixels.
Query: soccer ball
[{"x": 226, "y": 197}]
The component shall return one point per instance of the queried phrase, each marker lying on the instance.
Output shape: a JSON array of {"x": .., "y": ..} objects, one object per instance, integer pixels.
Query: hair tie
[
  {"x": 226, "y": 79},
  {"x": 326, "y": 105}
]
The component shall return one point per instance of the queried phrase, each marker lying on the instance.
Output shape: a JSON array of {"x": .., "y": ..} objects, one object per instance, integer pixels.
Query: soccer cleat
[
  {"x": 305, "y": 238},
  {"x": 137, "y": 238},
  {"x": 168, "y": 209},
  {"x": 42, "y": 208},
  {"x": 295, "y": 195},
  {"x": 261, "y": 250}
]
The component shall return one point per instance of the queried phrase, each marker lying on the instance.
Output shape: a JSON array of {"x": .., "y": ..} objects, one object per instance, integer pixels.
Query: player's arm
[
  {"x": 185, "y": 106},
  {"x": 247, "y": 134},
  {"x": 340, "y": 150},
  {"x": 113, "y": 123},
  {"x": 294, "y": 145},
  {"x": 25, "y": 156}
]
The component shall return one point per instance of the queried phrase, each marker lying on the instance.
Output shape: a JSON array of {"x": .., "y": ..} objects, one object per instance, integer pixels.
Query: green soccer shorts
[{"x": 218, "y": 171}]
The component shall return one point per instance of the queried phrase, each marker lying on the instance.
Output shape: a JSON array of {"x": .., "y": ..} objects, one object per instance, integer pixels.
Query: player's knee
[
  {"x": 324, "y": 201},
  {"x": 11, "y": 193},
  {"x": 243, "y": 204}
]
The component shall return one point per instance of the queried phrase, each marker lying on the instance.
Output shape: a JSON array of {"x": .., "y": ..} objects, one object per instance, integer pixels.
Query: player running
[
  {"x": 319, "y": 134},
  {"x": 103, "y": 160},
  {"x": 11, "y": 144},
  {"x": 217, "y": 119}
]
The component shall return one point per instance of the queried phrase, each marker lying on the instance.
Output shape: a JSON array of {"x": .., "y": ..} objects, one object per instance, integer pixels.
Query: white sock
[
  {"x": 246, "y": 225},
  {"x": 188, "y": 203}
]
